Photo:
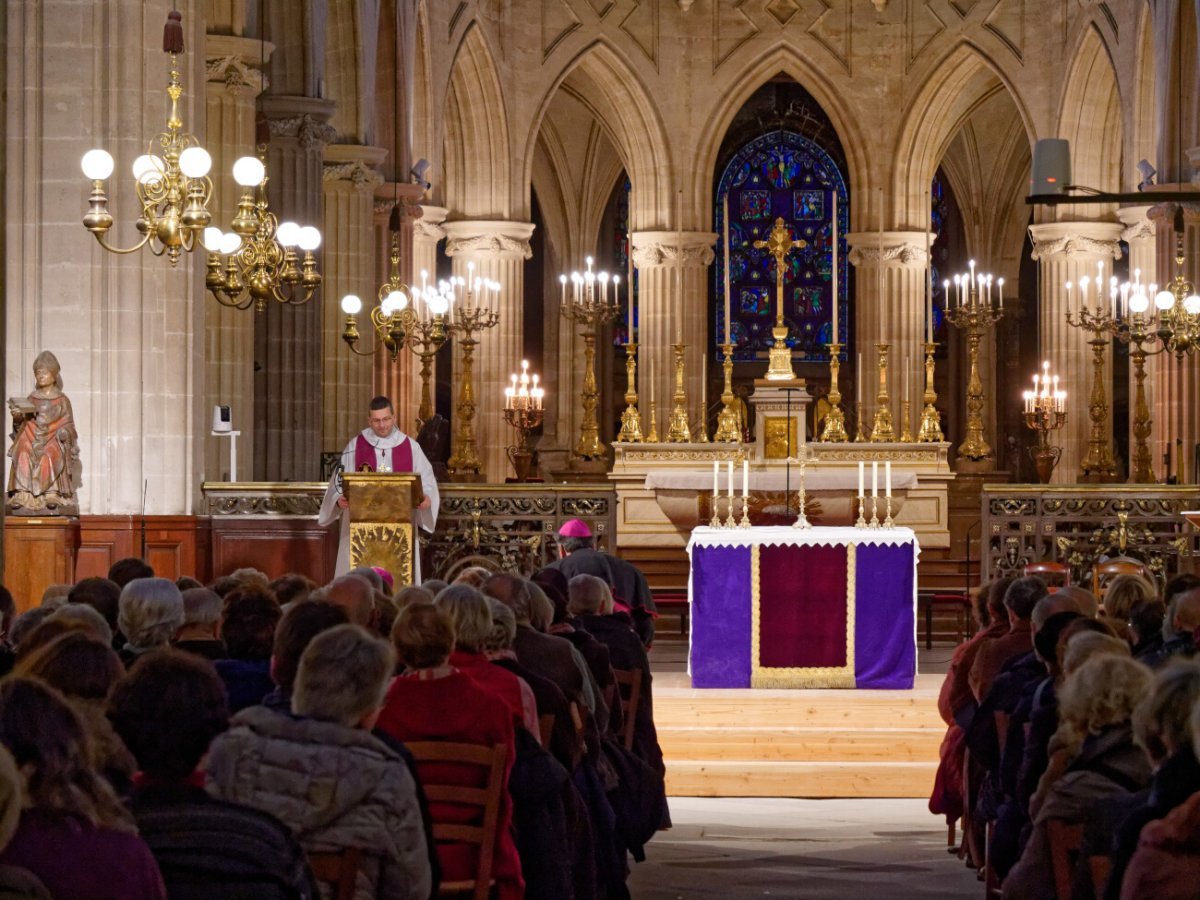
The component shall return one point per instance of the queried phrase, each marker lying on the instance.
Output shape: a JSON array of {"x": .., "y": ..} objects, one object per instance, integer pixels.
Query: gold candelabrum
[
  {"x": 779, "y": 244},
  {"x": 588, "y": 305},
  {"x": 468, "y": 318},
  {"x": 834, "y": 429},
  {"x": 882, "y": 431},
  {"x": 652, "y": 433},
  {"x": 931, "y": 420},
  {"x": 631, "y": 419},
  {"x": 970, "y": 308},
  {"x": 860, "y": 431},
  {"x": 1137, "y": 330},
  {"x": 802, "y": 498},
  {"x": 1045, "y": 412},
  {"x": 728, "y": 420},
  {"x": 1098, "y": 464},
  {"x": 524, "y": 402},
  {"x": 678, "y": 430},
  {"x": 1177, "y": 305}
]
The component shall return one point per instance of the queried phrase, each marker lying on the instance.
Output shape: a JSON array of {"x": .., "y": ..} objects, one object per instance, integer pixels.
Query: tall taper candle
[
  {"x": 716, "y": 471},
  {"x": 725, "y": 222},
  {"x": 729, "y": 479},
  {"x": 874, "y": 479},
  {"x": 929, "y": 275},
  {"x": 629, "y": 287},
  {"x": 887, "y": 477},
  {"x": 861, "y": 467},
  {"x": 879, "y": 276},
  {"x": 745, "y": 478},
  {"x": 835, "y": 268}
]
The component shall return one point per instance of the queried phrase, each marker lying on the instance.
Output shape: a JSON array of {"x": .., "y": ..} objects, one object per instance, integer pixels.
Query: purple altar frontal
[{"x": 784, "y": 607}]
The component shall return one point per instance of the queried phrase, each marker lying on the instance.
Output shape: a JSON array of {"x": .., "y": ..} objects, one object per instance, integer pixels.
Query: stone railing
[{"x": 1083, "y": 524}]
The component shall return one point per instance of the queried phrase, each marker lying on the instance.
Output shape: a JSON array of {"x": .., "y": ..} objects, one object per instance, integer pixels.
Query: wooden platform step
[
  {"x": 801, "y": 744},
  {"x": 725, "y": 778}
]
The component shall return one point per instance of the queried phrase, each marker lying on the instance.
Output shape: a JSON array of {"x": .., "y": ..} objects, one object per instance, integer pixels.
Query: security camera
[
  {"x": 1147, "y": 172},
  {"x": 418, "y": 171}
]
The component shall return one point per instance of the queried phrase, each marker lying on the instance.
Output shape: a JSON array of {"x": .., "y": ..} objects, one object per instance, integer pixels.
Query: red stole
[{"x": 365, "y": 456}]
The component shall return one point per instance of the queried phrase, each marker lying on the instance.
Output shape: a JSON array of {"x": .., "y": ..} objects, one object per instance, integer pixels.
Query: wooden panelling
[
  {"x": 274, "y": 545},
  {"x": 172, "y": 545},
  {"x": 37, "y": 554}
]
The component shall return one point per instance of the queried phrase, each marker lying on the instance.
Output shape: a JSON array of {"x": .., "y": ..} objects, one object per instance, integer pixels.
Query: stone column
[
  {"x": 1178, "y": 380},
  {"x": 287, "y": 339},
  {"x": 1140, "y": 235},
  {"x": 127, "y": 329},
  {"x": 399, "y": 378},
  {"x": 902, "y": 325},
  {"x": 1067, "y": 251},
  {"x": 350, "y": 179},
  {"x": 499, "y": 250},
  {"x": 666, "y": 314},
  {"x": 233, "y": 85}
]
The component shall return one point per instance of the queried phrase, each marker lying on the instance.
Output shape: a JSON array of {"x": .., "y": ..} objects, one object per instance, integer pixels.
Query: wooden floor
[{"x": 794, "y": 743}]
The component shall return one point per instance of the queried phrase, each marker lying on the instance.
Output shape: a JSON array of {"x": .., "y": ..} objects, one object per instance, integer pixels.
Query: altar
[{"x": 783, "y": 607}]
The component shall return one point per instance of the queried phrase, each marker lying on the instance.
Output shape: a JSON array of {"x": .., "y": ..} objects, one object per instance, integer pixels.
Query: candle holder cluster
[
  {"x": 874, "y": 521},
  {"x": 588, "y": 306},
  {"x": 730, "y": 520},
  {"x": 1045, "y": 413},
  {"x": 474, "y": 315},
  {"x": 972, "y": 310},
  {"x": 524, "y": 403},
  {"x": 1100, "y": 320}
]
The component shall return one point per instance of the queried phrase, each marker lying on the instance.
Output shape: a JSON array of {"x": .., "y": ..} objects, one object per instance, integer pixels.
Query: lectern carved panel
[{"x": 384, "y": 545}]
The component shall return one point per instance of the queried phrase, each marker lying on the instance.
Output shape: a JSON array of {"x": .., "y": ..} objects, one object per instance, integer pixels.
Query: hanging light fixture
[
  {"x": 171, "y": 179},
  {"x": 395, "y": 315},
  {"x": 260, "y": 260}
]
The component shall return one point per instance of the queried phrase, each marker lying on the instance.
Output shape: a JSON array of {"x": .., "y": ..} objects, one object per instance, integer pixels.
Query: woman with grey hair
[
  {"x": 321, "y": 771},
  {"x": 149, "y": 615},
  {"x": 471, "y": 618}
]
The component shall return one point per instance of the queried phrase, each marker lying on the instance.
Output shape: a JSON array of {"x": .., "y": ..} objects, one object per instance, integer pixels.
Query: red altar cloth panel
[{"x": 802, "y": 606}]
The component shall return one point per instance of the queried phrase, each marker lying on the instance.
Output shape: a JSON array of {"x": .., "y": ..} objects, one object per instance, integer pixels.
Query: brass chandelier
[
  {"x": 260, "y": 259},
  {"x": 171, "y": 179},
  {"x": 395, "y": 315}
]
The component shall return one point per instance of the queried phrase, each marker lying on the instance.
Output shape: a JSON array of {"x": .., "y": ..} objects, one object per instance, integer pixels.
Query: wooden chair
[
  {"x": 629, "y": 681},
  {"x": 1055, "y": 574},
  {"x": 546, "y": 728},
  {"x": 1111, "y": 568},
  {"x": 486, "y": 800},
  {"x": 1065, "y": 841},
  {"x": 1100, "y": 868},
  {"x": 338, "y": 869}
]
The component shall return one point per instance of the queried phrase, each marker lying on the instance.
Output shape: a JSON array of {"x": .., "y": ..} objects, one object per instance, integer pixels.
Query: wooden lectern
[{"x": 381, "y": 520}]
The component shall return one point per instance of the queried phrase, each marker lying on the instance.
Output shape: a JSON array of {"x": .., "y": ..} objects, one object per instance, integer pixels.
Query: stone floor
[{"x": 810, "y": 849}]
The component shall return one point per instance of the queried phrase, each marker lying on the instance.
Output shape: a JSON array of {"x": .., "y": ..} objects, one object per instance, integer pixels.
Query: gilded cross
[{"x": 779, "y": 244}]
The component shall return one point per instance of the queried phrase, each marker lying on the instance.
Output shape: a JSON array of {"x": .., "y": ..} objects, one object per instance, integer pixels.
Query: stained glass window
[{"x": 782, "y": 174}]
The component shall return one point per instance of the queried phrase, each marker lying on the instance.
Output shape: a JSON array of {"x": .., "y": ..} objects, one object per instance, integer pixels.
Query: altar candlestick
[
  {"x": 874, "y": 479},
  {"x": 835, "y": 269},
  {"x": 887, "y": 477},
  {"x": 879, "y": 275},
  {"x": 858, "y": 382},
  {"x": 929, "y": 276},
  {"x": 629, "y": 287},
  {"x": 728, "y": 261},
  {"x": 745, "y": 478},
  {"x": 716, "y": 472},
  {"x": 729, "y": 479},
  {"x": 861, "y": 467}
]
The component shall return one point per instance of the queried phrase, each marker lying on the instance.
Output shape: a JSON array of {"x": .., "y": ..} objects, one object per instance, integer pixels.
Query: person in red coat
[{"x": 434, "y": 701}]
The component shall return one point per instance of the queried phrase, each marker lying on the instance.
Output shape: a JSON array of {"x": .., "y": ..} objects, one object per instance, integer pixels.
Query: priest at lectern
[{"x": 382, "y": 447}]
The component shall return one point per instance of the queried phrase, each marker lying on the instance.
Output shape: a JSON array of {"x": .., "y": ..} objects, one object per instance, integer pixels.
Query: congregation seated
[
  {"x": 167, "y": 711},
  {"x": 128, "y": 569},
  {"x": 296, "y": 630},
  {"x": 323, "y": 774},
  {"x": 248, "y": 630},
  {"x": 1182, "y": 619},
  {"x": 68, "y": 804},
  {"x": 1019, "y": 599},
  {"x": 433, "y": 700},
  {"x": 291, "y": 588},
  {"x": 1145, "y": 628},
  {"x": 150, "y": 613},
  {"x": 354, "y": 594},
  {"x": 201, "y": 624},
  {"x": 102, "y": 595}
]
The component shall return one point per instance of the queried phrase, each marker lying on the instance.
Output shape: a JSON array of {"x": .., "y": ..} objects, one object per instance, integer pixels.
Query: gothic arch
[
  {"x": 604, "y": 82},
  {"x": 1090, "y": 116},
  {"x": 956, "y": 88},
  {"x": 735, "y": 93},
  {"x": 475, "y": 143}
]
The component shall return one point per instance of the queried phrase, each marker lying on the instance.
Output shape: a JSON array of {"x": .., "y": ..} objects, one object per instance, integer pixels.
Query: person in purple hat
[{"x": 578, "y": 556}]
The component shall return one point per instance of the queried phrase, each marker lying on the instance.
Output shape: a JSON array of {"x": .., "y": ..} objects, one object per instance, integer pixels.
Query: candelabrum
[
  {"x": 631, "y": 419},
  {"x": 779, "y": 244},
  {"x": 1045, "y": 412},
  {"x": 587, "y": 304},
  {"x": 1100, "y": 320},
  {"x": 1177, "y": 304},
  {"x": 882, "y": 431},
  {"x": 523, "y": 409},
  {"x": 1137, "y": 330},
  {"x": 678, "y": 431},
  {"x": 802, "y": 518},
  {"x": 728, "y": 421},
  {"x": 931, "y": 420},
  {"x": 860, "y": 432},
  {"x": 970, "y": 308},
  {"x": 906, "y": 435},
  {"x": 834, "y": 430},
  {"x": 862, "y": 509},
  {"x": 469, "y": 318}
]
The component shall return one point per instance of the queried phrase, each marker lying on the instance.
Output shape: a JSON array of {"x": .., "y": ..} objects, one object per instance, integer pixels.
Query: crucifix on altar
[{"x": 779, "y": 244}]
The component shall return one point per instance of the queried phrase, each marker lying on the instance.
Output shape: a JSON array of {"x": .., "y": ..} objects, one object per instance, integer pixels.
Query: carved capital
[
  {"x": 235, "y": 74},
  {"x": 425, "y": 228},
  {"x": 656, "y": 253},
  {"x": 902, "y": 255},
  {"x": 310, "y": 132},
  {"x": 358, "y": 173},
  {"x": 488, "y": 243},
  {"x": 1075, "y": 245}
]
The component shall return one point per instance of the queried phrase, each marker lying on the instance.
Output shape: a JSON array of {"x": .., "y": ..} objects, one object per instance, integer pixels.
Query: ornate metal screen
[{"x": 782, "y": 174}]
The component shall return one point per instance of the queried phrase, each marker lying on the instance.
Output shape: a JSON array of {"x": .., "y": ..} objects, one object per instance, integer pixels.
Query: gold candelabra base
[
  {"x": 930, "y": 431},
  {"x": 465, "y": 458},
  {"x": 678, "y": 430},
  {"x": 882, "y": 430},
  {"x": 834, "y": 429},
  {"x": 631, "y": 418},
  {"x": 1098, "y": 465},
  {"x": 862, "y": 508},
  {"x": 728, "y": 421},
  {"x": 652, "y": 434},
  {"x": 779, "y": 357},
  {"x": 524, "y": 420},
  {"x": 906, "y": 435},
  {"x": 860, "y": 433}
]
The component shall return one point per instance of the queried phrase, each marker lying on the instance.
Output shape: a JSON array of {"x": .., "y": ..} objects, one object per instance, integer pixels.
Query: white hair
[
  {"x": 88, "y": 616},
  {"x": 201, "y": 606},
  {"x": 588, "y": 596},
  {"x": 150, "y": 612},
  {"x": 343, "y": 675}
]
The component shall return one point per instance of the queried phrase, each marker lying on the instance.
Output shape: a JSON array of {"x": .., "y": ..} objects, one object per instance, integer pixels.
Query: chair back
[
  {"x": 629, "y": 681},
  {"x": 1055, "y": 574},
  {"x": 1104, "y": 572},
  {"x": 484, "y": 802},
  {"x": 546, "y": 728},
  {"x": 339, "y": 869},
  {"x": 1065, "y": 841}
]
